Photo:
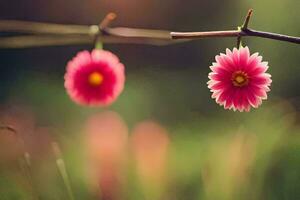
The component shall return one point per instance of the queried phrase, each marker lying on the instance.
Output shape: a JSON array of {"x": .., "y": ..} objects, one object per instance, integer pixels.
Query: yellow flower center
[
  {"x": 240, "y": 79},
  {"x": 95, "y": 79}
]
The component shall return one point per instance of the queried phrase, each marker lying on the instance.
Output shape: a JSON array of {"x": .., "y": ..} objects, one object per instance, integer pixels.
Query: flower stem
[
  {"x": 98, "y": 44},
  {"x": 62, "y": 169},
  {"x": 25, "y": 164},
  {"x": 24, "y": 161}
]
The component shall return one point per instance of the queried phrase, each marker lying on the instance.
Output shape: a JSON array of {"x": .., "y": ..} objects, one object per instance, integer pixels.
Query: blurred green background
[{"x": 212, "y": 154}]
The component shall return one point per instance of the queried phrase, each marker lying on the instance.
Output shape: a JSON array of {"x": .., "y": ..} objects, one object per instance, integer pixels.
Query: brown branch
[
  {"x": 107, "y": 20},
  {"x": 242, "y": 31},
  {"x": 16, "y": 26},
  {"x": 247, "y": 19},
  {"x": 45, "y": 40},
  {"x": 244, "y": 26},
  {"x": 206, "y": 34},
  {"x": 104, "y": 24},
  {"x": 235, "y": 33},
  {"x": 46, "y": 34}
]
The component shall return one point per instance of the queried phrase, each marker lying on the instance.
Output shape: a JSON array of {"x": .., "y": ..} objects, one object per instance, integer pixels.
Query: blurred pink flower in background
[
  {"x": 238, "y": 80},
  {"x": 150, "y": 143},
  {"x": 95, "y": 79},
  {"x": 106, "y": 139}
]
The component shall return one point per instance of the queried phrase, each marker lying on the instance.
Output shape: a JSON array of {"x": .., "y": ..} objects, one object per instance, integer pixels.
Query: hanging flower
[
  {"x": 238, "y": 80},
  {"x": 94, "y": 79}
]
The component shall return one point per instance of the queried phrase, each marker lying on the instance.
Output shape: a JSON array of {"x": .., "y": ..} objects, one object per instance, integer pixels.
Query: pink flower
[
  {"x": 106, "y": 137},
  {"x": 238, "y": 80},
  {"x": 150, "y": 147},
  {"x": 94, "y": 79}
]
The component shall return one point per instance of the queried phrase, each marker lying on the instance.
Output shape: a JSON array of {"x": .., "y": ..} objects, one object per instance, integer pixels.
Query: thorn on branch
[
  {"x": 107, "y": 20},
  {"x": 244, "y": 27},
  {"x": 101, "y": 29},
  {"x": 247, "y": 19}
]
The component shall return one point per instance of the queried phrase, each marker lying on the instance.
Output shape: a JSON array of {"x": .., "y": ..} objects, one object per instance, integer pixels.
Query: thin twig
[
  {"x": 247, "y": 19},
  {"x": 16, "y": 26},
  {"x": 47, "y": 34},
  {"x": 205, "y": 34},
  {"x": 242, "y": 31},
  {"x": 235, "y": 33},
  {"x": 44, "y": 41},
  {"x": 274, "y": 36},
  {"x": 104, "y": 24},
  {"x": 107, "y": 20},
  {"x": 244, "y": 27}
]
